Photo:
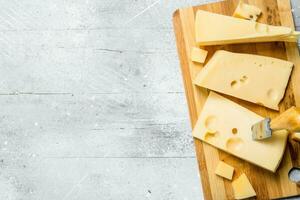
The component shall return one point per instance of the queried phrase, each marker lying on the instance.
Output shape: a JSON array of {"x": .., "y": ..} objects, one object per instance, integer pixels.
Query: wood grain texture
[
  {"x": 266, "y": 184},
  {"x": 91, "y": 107}
]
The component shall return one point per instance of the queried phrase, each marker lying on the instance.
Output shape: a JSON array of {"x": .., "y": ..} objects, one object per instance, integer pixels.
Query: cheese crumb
[
  {"x": 198, "y": 55},
  {"x": 224, "y": 170},
  {"x": 242, "y": 188}
]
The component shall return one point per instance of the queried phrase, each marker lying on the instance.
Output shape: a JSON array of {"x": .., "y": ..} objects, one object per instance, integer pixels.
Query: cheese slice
[
  {"x": 224, "y": 170},
  {"x": 246, "y": 11},
  {"x": 227, "y": 126},
  {"x": 242, "y": 188},
  {"x": 253, "y": 78},
  {"x": 215, "y": 29},
  {"x": 198, "y": 55}
]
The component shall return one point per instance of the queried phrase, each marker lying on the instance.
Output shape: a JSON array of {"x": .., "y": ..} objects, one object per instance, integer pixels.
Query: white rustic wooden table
[{"x": 92, "y": 102}]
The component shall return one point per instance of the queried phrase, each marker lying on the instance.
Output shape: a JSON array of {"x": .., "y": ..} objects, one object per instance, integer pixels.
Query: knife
[{"x": 288, "y": 120}]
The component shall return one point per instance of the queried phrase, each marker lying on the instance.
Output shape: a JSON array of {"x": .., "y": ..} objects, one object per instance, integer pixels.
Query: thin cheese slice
[
  {"x": 198, "y": 55},
  {"x": 224, "y": 170},
  {"x": 242, "y": 188},
  {"x": 253, "y": 78},
  {"x": 215, "y": 29},
  {"x": 227, "y": 126},
  {"x": 246, "y": 11}
]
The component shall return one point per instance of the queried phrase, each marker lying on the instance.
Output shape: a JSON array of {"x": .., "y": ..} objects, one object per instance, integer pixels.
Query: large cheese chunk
[
  {"x": 242, "y": 188},
  {"x": 227, "y": 126},
  {"x": 224, "y": 170},
  {"x": 253, "y": 78},
  {"x": 246, "y": 11},
  {"x": 215, "y": 29}
]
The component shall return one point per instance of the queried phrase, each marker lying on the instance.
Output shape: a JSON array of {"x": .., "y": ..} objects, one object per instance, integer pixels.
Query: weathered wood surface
[
  {"x": 296, "y": 12},
  {"x": 92, "y": 102}
]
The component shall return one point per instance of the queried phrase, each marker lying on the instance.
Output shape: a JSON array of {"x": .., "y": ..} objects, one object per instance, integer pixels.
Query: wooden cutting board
[{"x": 266, "y": 184}]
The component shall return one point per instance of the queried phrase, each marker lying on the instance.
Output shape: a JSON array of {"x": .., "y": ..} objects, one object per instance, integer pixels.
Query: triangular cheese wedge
[
  {"x": 242, "y": 188},
  {"x": 215, "y": 29},
  {"x": 227, "y": 126},
  {"x": 253, "y": 78}
]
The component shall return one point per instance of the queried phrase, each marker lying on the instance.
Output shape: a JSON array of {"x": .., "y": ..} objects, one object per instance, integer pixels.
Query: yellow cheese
[
  {"x": 227, "y": 126},
  {"x": 253, "y": 78},
  {"x": 296, "y": 136},
  {"x": 198, "y": 55},
  {"x": 224, "y": 170},
  {"x": 290, "y": 39},
  {"x": 242, "y": 188},
  {"x": 215, "y": 29},
  {"x": 246, "y": 11}
]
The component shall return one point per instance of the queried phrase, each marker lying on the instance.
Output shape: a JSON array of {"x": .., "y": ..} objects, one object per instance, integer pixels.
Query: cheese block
[
  {"x": 242, "y": 188},
  {"x": 246, "y": 11},
  {"x": 215, "y": 29},
  {"x": 227, "y": 126},
  {"x": 258, "y": 79},
  {"x": 224, "y": 170},
  {"x": 198, "y": 55}
]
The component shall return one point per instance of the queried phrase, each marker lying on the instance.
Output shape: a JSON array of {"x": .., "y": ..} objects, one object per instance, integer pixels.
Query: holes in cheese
[
  {"x": 215, "y": 29},
  {"x": 261, "y": 28},
  {"x": 246, "y": 11},
  {"x": 211, "y": 137},
  {"x": 249, "y": 77},
  {"x": 266, "y": 154},
  {"x": 211, "y": 124},
  {"x": 234, "y": 131},
  {"x": 244, "y": 79},
  {"x": 234, "y": 84},
  {"x": 234, "y": 144},
  {"x": 242, "y": 188},
  {"x": 198, "y": 55},
  {"x": 224, "y": 170},
  {"x": 272, "y": 94}
]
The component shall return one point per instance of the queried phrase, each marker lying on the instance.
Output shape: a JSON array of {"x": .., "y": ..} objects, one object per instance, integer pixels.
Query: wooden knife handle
[{"x": 289, "y": 120}]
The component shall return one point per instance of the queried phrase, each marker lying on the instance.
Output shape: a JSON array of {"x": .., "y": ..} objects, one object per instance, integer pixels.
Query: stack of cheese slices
[{"x": 242, "y": 76}]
